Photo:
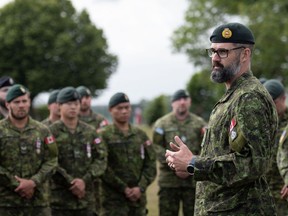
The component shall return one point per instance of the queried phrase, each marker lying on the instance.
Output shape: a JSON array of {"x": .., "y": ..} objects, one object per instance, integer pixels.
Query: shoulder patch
[
  {"x": 159, "y": 130},
  {"x": 50, "y": 139}
]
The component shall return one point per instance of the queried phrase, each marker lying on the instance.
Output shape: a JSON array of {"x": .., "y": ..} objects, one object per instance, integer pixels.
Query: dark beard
[
  {"x": 19, "y": 117},
  {"x": 225, "y": 74}
]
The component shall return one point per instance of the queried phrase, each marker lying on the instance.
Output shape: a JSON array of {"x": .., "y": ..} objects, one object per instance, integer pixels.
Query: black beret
[
  {"x": 179, "y": 94},
  {"x": 15, "y": 91},
  {"x": 117, "y": 99},
  {"x": 232, "y": 33},
  {"x": 53, "y": 96},
  {"x": 6, "y": 81},
  {"x": 83, "y": 91},
  {"x": 274, "y": 87},
  {"x": 67, "y": 94}
]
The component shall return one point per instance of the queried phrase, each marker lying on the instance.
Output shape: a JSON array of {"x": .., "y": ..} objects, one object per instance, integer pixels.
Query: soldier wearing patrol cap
[
  {"x": 277, "y": 92},
  {"x": 82, "y": 158},
  {"x": 28, "y": 157},
  {"x": 131, "y": 162},
  {"x": 236, "y": 148},
  {"x": 175, "y": 188},
  {"x": 5, "y": 83},
  {"x": 54, "y": 112}
]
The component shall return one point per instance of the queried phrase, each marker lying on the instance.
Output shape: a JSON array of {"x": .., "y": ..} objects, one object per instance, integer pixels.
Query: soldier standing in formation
[
  {"x": 5, "y": 83},
  {"x": 53, "y": 107},
  {"x": 131, "y": 162},
  {"x": 28, "y": 157},
  {"x": 236, "y": 148},
  {"x": 82, "y": 158},
  {"x": 277, "y": 92},
  {"x": 175, "y": 188},
  {"x": 98, "y": 122}
]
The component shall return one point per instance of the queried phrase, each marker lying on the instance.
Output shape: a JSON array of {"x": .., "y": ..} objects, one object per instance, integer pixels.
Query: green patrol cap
[
  {"x": 6, "y": 81},
  {"x": 179, "y": 94},
  {"x": 67, "y": 94},
  {"x": 117, "y": 99},
  {"x": 232, "y": 33},
  {"x": 83, "y": 91},
  {"x": 15, "y": 91},
  {"x": 53, "y": 96},
  {"x": 274, "y": 87}
]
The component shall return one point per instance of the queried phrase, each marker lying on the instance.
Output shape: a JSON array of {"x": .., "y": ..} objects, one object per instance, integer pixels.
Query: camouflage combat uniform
[
  {"x": 173, "y": 189},
  {"x": 29, "y": 153},
  {"x": 98, "y": 122},
  {"x": 46, "y": 122},
  {"x": 81, "y": 155},
  {"x": 236, "y": 151},
  {"x": 274, "y": 178},
  {"x": 131, "y": 162},
  {"x": 282, "y": 157}
]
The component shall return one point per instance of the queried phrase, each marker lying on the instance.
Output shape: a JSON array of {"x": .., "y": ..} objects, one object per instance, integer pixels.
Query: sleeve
[
  {"x": 7, "y": 179},
  {"x": 282, "y": 155},
  {"x": 99, "y": 164},
  {"x": 256, "y": 126},
  {"x": 49, "y": 161},
  {"x": 159, "y": 142},
  {"x": 149, "y": 167}
]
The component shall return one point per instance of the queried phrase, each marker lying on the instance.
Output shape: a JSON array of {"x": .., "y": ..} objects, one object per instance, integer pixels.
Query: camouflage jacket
[
  {"x": 191, "y": 132},
  {"x": 131, "y": 161},
  {"x": 96, "y": 120},
  {"x": 81, "y": 155},
  {"x": 47, "y": 122},
  {"x": 273, "y": 176},
  {"x": 30, "y": 153},
  {"x": 282, "y": 156},
  {"x": 236, "y": 151}
]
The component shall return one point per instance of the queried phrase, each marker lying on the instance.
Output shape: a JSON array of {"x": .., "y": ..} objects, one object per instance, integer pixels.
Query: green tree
[
  {"x": 156, "y": 109},
  {"x": 48, "y": 45},
  {"x": 267, "y": 19}
]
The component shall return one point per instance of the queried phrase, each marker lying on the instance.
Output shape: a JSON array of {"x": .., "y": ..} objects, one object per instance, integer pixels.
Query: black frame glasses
[{"x": 222, "y": 53}]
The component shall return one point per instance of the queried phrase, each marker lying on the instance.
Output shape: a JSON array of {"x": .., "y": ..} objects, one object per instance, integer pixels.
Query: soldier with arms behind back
[{"x": 176, "y": 189}]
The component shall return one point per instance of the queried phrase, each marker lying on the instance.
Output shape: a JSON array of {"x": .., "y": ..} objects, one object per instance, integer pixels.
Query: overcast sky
[{"x": 139, "y": 32}]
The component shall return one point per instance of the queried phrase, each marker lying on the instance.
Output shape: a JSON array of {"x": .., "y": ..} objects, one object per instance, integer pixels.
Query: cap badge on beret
[
  {"x": 227, "y": 33},
  {"x": 75, "y": 95},
  {"x": 126, "y": 97},
  {"x": 11, "y": 81},
  {"x": 22, "y": 89}
]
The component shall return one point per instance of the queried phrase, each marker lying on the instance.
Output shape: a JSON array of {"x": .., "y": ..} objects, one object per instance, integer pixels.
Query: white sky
[{"x": 139, "y": 32}]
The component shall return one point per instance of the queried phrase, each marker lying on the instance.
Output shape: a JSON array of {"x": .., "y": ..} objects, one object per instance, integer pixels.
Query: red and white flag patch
[
  {"x": 232, "y": 124},
  {"x": 48, "y": 140}
]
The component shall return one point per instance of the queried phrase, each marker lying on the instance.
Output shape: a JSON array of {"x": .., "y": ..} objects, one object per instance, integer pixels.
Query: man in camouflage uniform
[
  {"x": 277, "y": 92},
  {"x": 86, "y": 113},
  {"x": 131, "y": 162},
  {"x": 99, "y": 122},
  {"x": 190, "y": 127},
  {"x": 54, "y": 113},
  {"x": 82, "y": 157},
  {"x": 236, "y": 148},
  {"x": 282, "y": 161},
  {"x": 28, "y": 157},
  {"x": 5, "y": 83}
]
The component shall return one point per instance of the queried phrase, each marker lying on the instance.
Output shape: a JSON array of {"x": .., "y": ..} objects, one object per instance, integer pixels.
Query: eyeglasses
[{"x": 222, "y": 53}]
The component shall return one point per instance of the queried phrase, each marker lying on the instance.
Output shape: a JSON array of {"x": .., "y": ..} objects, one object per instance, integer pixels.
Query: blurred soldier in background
[
  {"x": 82, "y": 158},
  {"x": 277, "y": 92},
  {"x": 53, "y": 107},
  {"x": 131, "y": 162},
  {"x": 5, "y": 83},
  {"x": 28, "y": 157},
  {"x": 176, "y": 189}
]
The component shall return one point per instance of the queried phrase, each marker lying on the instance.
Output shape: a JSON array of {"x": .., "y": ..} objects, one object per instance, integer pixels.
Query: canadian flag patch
[
  {"x": 232, "y": 124},
  {"x": 48, "y": 140}
]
